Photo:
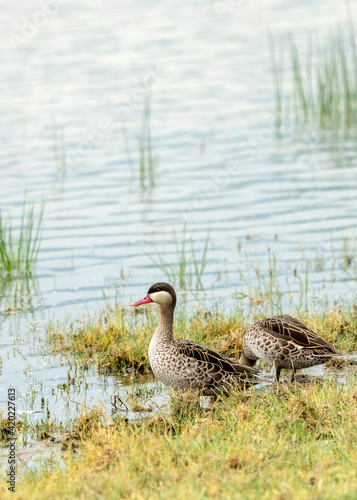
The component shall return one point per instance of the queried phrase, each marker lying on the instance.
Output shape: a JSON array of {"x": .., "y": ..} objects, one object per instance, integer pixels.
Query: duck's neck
[{"x": 164, "y": 329}]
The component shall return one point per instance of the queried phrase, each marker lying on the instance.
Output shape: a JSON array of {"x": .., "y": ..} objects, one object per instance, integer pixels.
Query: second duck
[{"x": 285, "y": 342}]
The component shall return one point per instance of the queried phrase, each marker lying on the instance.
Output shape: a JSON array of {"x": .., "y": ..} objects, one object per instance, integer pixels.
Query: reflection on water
[
  {"x": 18, "y": 294},
  {"x": 273, "y": 204}
]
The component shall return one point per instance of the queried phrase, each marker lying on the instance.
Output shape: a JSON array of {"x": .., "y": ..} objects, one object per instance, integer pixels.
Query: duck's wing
[
  {"x": 294, "y": 331},
  {"x": 215, "y": 362}
]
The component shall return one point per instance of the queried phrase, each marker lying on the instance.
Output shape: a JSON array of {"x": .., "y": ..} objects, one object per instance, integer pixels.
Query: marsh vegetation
[
  {"x": 19, "y": 252},
  {"x": 322, "y": 80},
  {"x": 19, "y": 248},
  {"x": 293, "y": 440}
]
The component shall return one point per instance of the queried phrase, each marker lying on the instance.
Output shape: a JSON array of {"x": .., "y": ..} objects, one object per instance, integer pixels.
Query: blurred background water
[{"x": 74, "y": 76}]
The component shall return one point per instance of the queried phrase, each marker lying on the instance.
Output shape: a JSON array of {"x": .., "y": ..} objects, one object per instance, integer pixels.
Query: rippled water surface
[{"x": 72, "y": 97}]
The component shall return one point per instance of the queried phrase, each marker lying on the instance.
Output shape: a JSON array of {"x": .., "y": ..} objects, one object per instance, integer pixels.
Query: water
[{"x": 69, "y": 84}]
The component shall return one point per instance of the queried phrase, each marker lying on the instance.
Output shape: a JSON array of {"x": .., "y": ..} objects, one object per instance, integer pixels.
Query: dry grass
[
  {"x": 293, "y": 442},
  {"x": 119, "y": 338}
]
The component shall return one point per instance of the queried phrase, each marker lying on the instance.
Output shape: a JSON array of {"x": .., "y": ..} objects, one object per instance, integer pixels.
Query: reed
[
  {"x": 188, "y": 267},
  {"x": 17, "y": 293},
  {"x": 320, "y": 88},
  {"x": 18, "y": 254},
  {"x": 148, "y": 158},
  {"x": 59, "y": 147}
]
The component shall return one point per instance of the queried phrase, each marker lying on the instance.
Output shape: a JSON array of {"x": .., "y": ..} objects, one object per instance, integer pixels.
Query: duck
[
  {"x": 187, "y": 365},
  {"x": 287, "y": 343}
]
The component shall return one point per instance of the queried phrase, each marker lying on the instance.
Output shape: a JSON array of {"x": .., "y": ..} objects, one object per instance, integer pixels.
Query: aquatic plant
[
  {"x": 17, "y": 293},
  {"x": 148, "y": 158},
  {"x": 187, "y": 270},
  {"x": 18, "y": 255},
  {"x": 59, "y": 147},
  {"x": 318, "y": 89}
]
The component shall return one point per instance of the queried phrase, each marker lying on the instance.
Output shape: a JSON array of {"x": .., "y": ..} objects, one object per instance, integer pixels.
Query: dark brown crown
[{"x": 164, "y": 287}]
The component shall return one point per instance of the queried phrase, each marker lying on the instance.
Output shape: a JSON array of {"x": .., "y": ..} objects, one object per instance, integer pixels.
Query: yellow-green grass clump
[
  {"x": 294, "y": 441},
  {"x": 119, "y": 337},
  {"x": 6, "y": 430}
]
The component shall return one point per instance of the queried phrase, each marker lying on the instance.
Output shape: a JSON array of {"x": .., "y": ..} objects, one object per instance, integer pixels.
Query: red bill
[{"x": 143, "y": 301}]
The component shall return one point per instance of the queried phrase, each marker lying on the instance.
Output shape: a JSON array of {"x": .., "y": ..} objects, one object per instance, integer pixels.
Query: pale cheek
[{"x": 162, "y": 298}]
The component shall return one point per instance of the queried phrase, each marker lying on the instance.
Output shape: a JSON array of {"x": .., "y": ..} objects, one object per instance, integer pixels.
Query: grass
[
  {"x": 119, "y": 338},
  {"x": 289, "y": 440},
  {"x": 188, "y": 268},
  {"x": 18, "y": 258},
  {"x": 17, "y": 293},
  {"x": 18, "y": 255},
  {"x": 59, "y": 147},
  {"x": 148, "y": 158},
  {"x": 300, "y": 287},
  {"x": 6, "y": 428},
  {"x": 294, "y": 441},
  {"x": 323, "y": 89}
]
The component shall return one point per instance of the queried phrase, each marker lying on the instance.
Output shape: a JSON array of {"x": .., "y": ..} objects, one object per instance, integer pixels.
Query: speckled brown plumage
[
  {"x": 183, "y": 364},
  {"x": 285, "y": 342}
]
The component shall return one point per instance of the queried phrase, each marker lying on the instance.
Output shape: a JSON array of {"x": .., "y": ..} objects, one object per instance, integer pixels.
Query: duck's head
[{"x": 161, "y": 293}]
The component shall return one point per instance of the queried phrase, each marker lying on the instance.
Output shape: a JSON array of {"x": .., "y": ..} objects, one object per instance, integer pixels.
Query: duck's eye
[{"x": 156, "y": 289}]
